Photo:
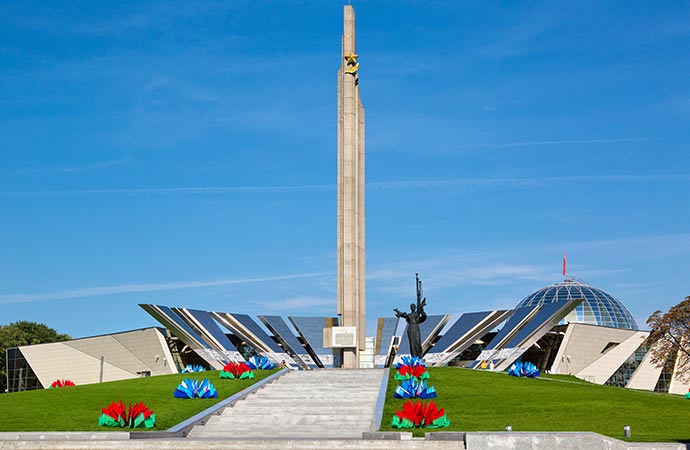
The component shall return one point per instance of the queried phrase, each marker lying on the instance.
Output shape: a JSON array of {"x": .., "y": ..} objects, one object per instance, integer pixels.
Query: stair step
[
  {"x": 314, "y": 387},
  {"x": 330, "y": 383},
  {"x": 334, "y": 397},
  {"x": 244, "y": 408},
  {"x": 278, "y": 432},
  {"x": 340, "y": 434},
  {"x": 320, "y": 404},
  {"x": 298, "y": 420},
  {"x": 301, "y": 397}
]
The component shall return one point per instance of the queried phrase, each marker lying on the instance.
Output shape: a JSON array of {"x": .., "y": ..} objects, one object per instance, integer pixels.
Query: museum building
[{"x": 568, "y": 327}]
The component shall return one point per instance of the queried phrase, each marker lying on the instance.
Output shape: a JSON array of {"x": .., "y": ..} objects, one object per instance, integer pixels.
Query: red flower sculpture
[
  {"x": 418, "y": 414},
  {"x": 237, "y": 371},
  {"x": 407, "y": 372},
  {"x": 116, "y": 415},
  {"x": 62, "y": 383}
]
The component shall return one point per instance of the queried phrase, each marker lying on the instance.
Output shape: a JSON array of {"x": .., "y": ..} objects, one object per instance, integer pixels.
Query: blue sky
[{"x": 184, "y": 153}]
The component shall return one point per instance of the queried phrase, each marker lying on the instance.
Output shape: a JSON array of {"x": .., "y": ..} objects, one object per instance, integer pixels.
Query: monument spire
[{"x": 351, "y": 247}]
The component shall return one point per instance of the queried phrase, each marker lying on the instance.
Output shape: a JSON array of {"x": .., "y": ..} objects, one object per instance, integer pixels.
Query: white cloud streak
[
  {"x": 561, "y": 142},
  {"x": 527, "y": 182},
  {"x": 209, "y": 190},
  {"x": 148, "y": 287},
  {"x": 76, "y": 168},
  {"x": 452, "y": 272},
  {"x": 298, "y": 302}
]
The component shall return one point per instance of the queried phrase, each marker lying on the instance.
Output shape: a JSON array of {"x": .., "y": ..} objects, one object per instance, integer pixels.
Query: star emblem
[{"x": 351, "y": 58}]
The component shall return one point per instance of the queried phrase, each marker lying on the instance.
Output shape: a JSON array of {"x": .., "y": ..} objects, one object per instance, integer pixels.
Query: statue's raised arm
[{"x": 422, "y": 314}]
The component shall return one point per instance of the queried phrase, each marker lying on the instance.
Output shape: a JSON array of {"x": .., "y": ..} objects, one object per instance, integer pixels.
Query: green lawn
[
  {"x": 485, "y": 401},
  {"x": 78, "y": 408}
]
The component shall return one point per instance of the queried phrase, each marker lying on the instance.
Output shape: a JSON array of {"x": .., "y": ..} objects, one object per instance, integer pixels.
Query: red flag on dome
[{"x": 564, "y": 262}]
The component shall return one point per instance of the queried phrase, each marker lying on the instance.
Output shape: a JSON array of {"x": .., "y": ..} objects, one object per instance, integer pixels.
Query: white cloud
[
  {"x": 458, "y": 183},
  {"x": 298, "y": 303},
  {"x": 452, "y": 271},
  {"x": 563, "y": 142},
  {"x": 148, "y": 287},
  {"x": 97, "y": 165}
]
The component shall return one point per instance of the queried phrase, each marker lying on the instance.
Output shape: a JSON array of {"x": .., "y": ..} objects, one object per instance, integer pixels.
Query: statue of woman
[{"x": 413, "y": 319}]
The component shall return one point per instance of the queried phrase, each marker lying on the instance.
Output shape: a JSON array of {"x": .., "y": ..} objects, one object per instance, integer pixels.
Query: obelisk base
[{"x": 350, "y": 360}]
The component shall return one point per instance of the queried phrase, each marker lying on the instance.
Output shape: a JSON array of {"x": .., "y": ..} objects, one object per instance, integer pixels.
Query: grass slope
[
  {"x": 485, "y": 401},
  {"x": 78, "y": 408}
]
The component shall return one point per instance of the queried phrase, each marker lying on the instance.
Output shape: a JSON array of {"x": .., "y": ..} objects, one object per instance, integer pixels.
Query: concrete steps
[
  {"x": 247, "y": 444},
  {"x": 318, "y": 404},
  {"x": 292, "y": 410},
  {"x": 290, "y": 419}
]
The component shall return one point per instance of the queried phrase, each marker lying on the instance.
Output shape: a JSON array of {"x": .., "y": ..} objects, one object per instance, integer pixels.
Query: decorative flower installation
[
  {"x": 523, "y": 369},
  {"x": 417, "y": 414},
  {"x": 194, "y": 368},
  {"x": 238, "y": 371},
  {"x": 408, "y": 372},
  {"x": 62, "y": 383},
  {"x": 189, "y": 388},
  {"x": 410, "y": 361},
  {"x": 260, "y": 363},
  {"x": 413, "y": 388},
  {"x": 134, "y": 416}
]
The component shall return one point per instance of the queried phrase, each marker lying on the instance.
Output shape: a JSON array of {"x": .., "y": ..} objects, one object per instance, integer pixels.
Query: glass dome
[{"x": 599, "y": 307}]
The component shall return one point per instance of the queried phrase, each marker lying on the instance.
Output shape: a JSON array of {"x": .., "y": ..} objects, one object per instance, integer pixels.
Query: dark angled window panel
[
  {"x": 311, "y": 330},
  {"x": 390, "y": 324},
  {"x": 283, "y": 332},
  {"x": 537, "y": 321},
  {"x": 461, "y": 326},
  {"x": 515, "y": 320},
  {"x": 425, "y": 329},
  {"x": 177, "y": 326},
  {"x": 257, "y": 331},
  {"x": 212, "y": 328},
  {"x": 174, "y": 323}
]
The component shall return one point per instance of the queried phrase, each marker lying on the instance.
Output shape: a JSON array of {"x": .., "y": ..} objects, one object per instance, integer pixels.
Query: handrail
[
  {"x": 381, "y": 400},
  {"x": 183, "y": 427}
]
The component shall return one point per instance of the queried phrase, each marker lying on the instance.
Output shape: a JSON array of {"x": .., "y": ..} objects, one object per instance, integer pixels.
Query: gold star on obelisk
[{"x": 351, "y": 58}]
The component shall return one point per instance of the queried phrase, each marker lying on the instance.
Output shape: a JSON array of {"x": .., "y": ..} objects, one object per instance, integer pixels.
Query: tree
[
  {"x": 669, "y": 336},
  {"x": 24, "y": 333}
]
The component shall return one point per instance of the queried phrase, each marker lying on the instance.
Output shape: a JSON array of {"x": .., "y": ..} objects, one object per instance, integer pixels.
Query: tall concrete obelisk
[{"x": 351, "y": 248}]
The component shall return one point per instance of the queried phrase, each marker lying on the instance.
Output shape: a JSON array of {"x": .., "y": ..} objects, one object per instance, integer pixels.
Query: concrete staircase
[{"x": 316, "y": 404}]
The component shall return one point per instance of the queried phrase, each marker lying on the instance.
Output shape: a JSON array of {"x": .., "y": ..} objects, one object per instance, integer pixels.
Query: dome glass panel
[{"x": 598, "y": 307}]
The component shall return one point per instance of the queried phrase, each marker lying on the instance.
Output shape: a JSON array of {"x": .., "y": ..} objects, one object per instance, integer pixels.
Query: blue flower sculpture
[
  {"x": 523, "y": 369},
  {"x": 194, "y": 368},
  {"x": 195, "y": 389},
  {"x": 414, "y": 389},
  {"x": 410, "y": 361},
  {"x": 260, "y": 363}
]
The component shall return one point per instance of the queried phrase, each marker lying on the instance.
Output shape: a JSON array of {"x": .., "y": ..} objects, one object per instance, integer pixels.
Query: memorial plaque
[{"x": 343, "y": 337}]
